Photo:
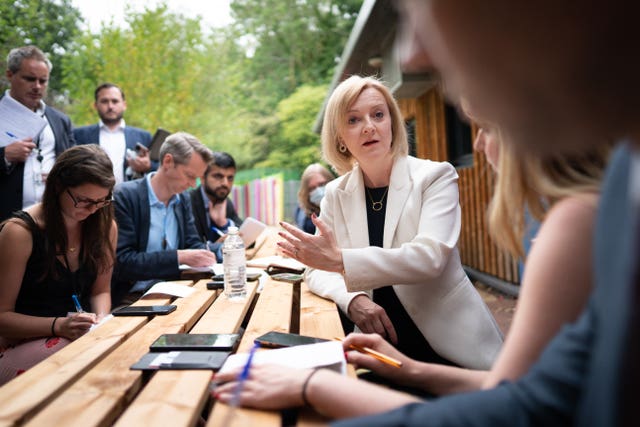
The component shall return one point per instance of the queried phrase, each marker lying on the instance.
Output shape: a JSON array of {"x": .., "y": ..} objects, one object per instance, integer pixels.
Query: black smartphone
[
  {"x": 276, "y": 339},
  {"x": 215, "y": 284},
  {"x": 140, "y": 147},
  {"x": 172, "y": 342},
  {"x": 287, "y": 277},
  {"x": 144, "y": 310},
  {"x": 251, "y": 277}
]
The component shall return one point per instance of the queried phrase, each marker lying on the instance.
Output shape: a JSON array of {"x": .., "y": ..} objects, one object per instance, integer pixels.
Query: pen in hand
[
  {"x": 243, "y": 376},
  {"x": 76, "y": 302},
  {"x": 375, "y": 354}
]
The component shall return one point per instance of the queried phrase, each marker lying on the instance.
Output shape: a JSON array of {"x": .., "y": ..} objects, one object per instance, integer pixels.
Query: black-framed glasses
[{"x": 82, "y": 203}]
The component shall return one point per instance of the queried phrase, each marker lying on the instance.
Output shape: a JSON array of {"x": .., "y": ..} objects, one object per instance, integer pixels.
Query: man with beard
[
  {"x": 29, "y": 154},
  {"x": 126, "y": 146},
  {"x": 213, "y": 212}
]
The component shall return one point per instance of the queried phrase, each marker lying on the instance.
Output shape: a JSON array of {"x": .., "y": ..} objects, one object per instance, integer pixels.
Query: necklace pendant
[{"x": 376, "y": 206}]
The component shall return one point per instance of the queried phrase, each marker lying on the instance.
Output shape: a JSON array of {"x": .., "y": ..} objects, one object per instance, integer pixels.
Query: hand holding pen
[
  {"x": 75, "y": 324},
  {"x": 242, "y": 377},
  {"x": 19, "y": 150}
]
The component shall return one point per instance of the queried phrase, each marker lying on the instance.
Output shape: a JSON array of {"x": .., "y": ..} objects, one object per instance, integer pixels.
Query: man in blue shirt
[{"x": 156, "y": 232}]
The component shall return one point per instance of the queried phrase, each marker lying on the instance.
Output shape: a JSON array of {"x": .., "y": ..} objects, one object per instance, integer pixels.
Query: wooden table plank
[
  {"x": 23, "y": 396},
  {"x": 318, "y": 318},
  {"x": 99, "y": 397},
  {"x": 179, "y": 396},
  {"x": 271, "y": 313}
]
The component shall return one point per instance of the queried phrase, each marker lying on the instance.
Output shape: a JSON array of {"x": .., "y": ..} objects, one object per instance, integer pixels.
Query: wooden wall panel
[{"x": 475, "y": 183}]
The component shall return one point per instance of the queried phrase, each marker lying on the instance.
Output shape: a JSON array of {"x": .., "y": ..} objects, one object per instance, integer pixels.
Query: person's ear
[{"x": 167, "y": 160}]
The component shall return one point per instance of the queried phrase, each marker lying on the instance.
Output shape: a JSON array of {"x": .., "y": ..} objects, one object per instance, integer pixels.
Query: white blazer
[{"x": 419, "y": 258}]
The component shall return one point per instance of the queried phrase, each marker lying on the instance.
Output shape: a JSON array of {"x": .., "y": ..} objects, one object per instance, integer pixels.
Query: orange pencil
[{"x": 375, "y": 354}]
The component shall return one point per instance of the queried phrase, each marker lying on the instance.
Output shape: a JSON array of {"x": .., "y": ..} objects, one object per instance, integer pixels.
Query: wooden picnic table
[{"x": 89, "y": 383}]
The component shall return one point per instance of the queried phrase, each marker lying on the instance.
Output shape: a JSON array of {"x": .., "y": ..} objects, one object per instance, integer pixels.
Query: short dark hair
[
  {"x": 107, "y": 86},
  {"x": 222, "y": 160}
]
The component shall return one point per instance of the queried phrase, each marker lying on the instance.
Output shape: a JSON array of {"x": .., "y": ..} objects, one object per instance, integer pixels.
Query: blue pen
[
  {"x": 10, "y": 135},
  {"x": 76, "y": 302},
  {"x": 244, "y": 375}
]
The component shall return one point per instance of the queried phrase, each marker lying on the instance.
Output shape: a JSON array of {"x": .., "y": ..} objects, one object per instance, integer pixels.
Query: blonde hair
[
  {"x": 536, "y": 183},
  {"x": 303, "y": 193},
  {"x": 335, "y": 118}
]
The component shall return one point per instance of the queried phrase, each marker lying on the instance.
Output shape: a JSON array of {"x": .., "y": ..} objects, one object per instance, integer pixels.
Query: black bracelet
[
  {"x": 304, "y": 388},
  {"x": 53, "y": 325}
]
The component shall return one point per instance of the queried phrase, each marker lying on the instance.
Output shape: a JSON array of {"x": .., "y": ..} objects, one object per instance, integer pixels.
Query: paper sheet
[
  {"x": 210, "y": 268},
  {"x": 170, "y": 288},
  {"x": 250, "y": 229},
  {"x": 18, "y": 122},
  {"x": 328, "y": 354},
  {"x": 101, "y": 322}
]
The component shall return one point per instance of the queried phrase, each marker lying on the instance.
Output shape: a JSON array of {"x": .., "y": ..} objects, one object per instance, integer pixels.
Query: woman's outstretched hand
[{"x": 317, "y": 251}]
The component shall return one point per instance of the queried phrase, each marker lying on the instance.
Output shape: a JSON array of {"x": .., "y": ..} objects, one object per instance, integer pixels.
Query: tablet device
[
  {"x": 181, "y": 360},
  {"x": 144, "y": 310},
  {"x": 276, "y": 339},
  {"x": 156, "y": 143},
  {"x": 171, "y": 342}
]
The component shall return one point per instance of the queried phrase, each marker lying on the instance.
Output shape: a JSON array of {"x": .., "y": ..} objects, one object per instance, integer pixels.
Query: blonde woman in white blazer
[{"x": 385, "y": 250}]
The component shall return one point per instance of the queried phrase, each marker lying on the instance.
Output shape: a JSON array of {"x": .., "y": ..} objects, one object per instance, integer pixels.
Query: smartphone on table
[
  {"x": 288, "y": 277},
  {"x": 144, "y": 310},
  {"x": 251, "y": 277},
  {"x": 275, "y": 339},
  {"x": 173, "y": 342}
]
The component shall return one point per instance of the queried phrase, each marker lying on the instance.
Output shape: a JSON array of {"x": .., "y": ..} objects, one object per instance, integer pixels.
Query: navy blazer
[
  {"x": 576, "y": 381},
  {"x": 11, "y": 179},
  {"x": 91, "y": 135},
  {"x": 133, "y": 263},
  {"x": 200, "y": 213}
]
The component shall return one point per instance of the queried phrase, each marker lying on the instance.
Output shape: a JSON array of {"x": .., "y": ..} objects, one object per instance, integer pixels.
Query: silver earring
[{"x": 342, "y": 148}]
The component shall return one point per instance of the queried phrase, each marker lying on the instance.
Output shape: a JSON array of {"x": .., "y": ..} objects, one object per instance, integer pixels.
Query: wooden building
[{"x": 435, "y": 132}]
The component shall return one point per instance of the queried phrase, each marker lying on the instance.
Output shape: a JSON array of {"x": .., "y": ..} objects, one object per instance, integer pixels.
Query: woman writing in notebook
[{"x": 53, "y": 254}]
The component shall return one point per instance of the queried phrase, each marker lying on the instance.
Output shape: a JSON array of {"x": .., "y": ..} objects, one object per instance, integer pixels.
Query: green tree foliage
[
  {"x": 157, "y": 62},
  {"x": 48, "y": 24},
  {"x": 296, "y": 42},
  {"x": 252, "y": 89},
  {"x": 296, "y": 145}
]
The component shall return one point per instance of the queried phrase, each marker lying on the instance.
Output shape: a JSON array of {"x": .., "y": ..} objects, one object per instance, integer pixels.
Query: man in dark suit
[
  {"x": 213, "y": 212},
  {"x": 580, "y": 92},
  {"x": 156, "y": 233},
  {"x": 127, "y": 146},
  {"x": 25, "y": 163}
]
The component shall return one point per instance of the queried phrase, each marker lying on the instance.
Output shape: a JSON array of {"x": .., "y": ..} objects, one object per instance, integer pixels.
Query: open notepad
[
  {"x": 277, "y": 261},
  {"x": 328, "y": 355}
]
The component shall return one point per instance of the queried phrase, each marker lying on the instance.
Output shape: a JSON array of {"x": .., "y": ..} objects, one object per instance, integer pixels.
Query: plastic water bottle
[{"x": 235, "y": 266}]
